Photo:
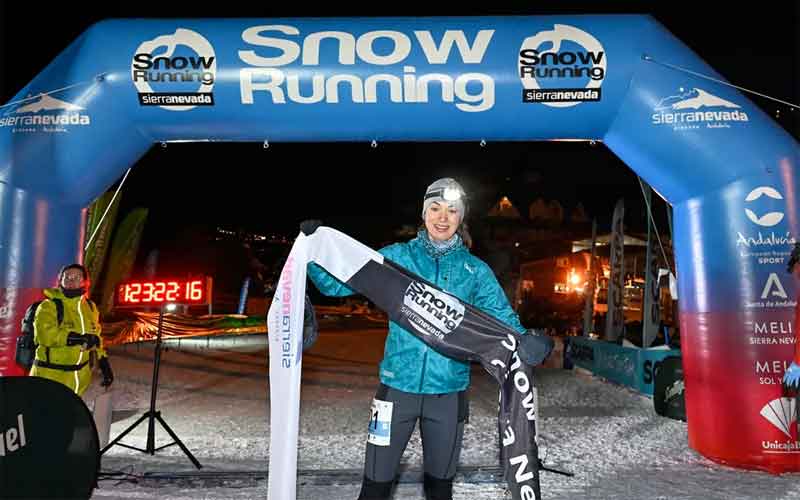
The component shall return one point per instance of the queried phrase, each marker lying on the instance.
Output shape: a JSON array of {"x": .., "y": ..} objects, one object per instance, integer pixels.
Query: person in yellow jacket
[{"x": 68, "y": 350}]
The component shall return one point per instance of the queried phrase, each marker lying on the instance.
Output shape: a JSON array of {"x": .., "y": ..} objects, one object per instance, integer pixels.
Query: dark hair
[
  {"x": 463, "y": 231},
  {"x": 66, "y": 268},
  {"x": 794, "y": 257}
]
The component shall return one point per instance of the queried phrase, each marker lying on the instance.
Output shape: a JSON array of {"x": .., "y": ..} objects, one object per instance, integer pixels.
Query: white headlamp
[
  {"x": 445, "y": 190},
  {"x": 451, "y": 194}
]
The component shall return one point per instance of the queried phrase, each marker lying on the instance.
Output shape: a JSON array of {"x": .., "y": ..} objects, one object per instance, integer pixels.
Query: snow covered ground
[{"x": 214, "y": 394}]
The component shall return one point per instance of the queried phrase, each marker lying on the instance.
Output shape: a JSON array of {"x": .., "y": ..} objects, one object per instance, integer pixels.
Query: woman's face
[{"x": 441, "y": 221}]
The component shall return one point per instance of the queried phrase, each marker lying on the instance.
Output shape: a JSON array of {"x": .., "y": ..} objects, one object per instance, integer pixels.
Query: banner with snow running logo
[{"x": 442, "y": 321}]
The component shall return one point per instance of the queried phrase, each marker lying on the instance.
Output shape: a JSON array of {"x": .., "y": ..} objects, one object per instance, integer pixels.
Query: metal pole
[
  {"x": 243, "y": 296},
  {"x": 591, "y": 285},
  {"x": 151, "y": 431}
]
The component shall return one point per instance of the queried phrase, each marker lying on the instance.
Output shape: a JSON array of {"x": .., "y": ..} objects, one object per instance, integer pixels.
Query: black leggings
[{"x": 442, "y": 418}]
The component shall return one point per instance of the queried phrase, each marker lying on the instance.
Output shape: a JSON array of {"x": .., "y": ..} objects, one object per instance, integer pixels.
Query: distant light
[
  {"x": 516, "y": 243},
  {"x": 170, "y": 307}
]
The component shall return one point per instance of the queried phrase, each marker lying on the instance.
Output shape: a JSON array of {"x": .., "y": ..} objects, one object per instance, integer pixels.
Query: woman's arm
[
  {"x": 329, "y": 285},
  {"x": 326, "y": 283}
]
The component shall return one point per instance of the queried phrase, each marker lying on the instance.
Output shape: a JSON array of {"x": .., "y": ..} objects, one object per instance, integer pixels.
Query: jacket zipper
[{"x": 425, "y": 356}]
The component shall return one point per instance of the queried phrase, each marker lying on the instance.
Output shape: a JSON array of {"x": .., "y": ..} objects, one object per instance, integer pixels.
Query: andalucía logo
[
  {"x": 765, "y": 207},
  {"x": 570, "y": 71},
  {"x": 768, "y": 219},
  {"x": 184, "y": 81},
  {"x": 695, "y": 108},
  {"x": 45, "y": 114},
  {"x": 431, "y": 311}
]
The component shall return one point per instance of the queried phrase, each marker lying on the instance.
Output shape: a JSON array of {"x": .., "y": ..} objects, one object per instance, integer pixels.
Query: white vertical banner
[
  {"x": 341, "y": 256},
  {"x": 285, "y": 330}
]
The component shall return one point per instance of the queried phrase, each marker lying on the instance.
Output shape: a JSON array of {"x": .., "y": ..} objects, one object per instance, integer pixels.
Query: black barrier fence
[{"x": 48, "y": 441}]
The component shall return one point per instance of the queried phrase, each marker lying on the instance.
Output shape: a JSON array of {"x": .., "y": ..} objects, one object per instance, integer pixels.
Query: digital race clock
[{"x": 195, "y": 291}]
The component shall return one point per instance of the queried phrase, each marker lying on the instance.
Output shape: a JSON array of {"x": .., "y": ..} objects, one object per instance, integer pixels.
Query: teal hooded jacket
[{"x": 408, "y": 364}]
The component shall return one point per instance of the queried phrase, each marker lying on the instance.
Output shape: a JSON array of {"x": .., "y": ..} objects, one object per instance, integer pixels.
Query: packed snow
[{"x": 214, "y": 393}]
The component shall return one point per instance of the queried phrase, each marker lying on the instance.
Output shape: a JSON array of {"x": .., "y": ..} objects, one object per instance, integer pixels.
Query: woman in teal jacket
[{"x": 418, "y": 383}]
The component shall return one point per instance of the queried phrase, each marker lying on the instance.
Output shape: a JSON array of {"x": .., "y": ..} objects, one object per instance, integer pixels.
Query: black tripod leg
[
  {"x": 125, "y": 433},
  {"x": 178, "y": 441}
]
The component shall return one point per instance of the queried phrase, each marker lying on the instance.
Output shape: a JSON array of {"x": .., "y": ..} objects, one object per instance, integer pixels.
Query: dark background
[{"x": 370, "y": 192}]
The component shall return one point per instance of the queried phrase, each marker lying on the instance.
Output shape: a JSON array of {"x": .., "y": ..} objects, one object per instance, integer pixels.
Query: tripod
[{"x": 152, "y": 415}]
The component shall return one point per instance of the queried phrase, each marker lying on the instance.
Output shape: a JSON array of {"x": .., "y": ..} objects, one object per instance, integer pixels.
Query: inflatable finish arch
[{"x": 728, "y": 170}]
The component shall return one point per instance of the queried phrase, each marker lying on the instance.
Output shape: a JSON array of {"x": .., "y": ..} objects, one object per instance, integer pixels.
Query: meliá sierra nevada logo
[{"x": 430, "y": 311}]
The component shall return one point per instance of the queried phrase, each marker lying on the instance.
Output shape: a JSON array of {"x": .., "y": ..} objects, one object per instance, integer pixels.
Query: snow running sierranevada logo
[
  {"x": 568, "y": 73},
  {"x": 695, "y": 108},
  {"x": 781, "y": 413},
  {"x": 45, "y": 114},
  {"x": 172, "y": 74},
  {"x": 431, "y": 311}
]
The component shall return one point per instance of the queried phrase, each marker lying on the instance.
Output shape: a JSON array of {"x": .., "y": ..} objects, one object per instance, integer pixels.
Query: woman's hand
[
  {"x": 308, "y": 226},
  {"x": 791, "y": 378},
  {"x": 534, "y": 347}
]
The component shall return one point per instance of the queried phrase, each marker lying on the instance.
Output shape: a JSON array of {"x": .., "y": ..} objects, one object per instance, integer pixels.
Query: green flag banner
[
  {"x": 98, "y": 247},
  {"x": 123, "y": 255}
]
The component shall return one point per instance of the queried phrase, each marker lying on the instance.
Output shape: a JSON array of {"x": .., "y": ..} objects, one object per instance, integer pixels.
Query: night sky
[{"x": 368, "y": 191}]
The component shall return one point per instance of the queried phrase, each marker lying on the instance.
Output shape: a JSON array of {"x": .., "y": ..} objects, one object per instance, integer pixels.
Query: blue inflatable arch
[{"x": 727, "y": 169}]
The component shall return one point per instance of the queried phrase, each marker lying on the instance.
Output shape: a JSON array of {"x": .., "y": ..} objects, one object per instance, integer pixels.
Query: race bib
[{"x": 380, "y": 422}]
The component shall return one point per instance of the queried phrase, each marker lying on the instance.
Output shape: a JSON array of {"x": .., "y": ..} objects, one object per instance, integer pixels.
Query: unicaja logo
[
  {"x": 769, "y": 219},
  {"x": 691, "y": 109},
  {"x": 155, "y": 63},
  {"x": 570, "y": 71},
  {"x": 430, "y": 311},
  {"x": 782, "y": 414}
]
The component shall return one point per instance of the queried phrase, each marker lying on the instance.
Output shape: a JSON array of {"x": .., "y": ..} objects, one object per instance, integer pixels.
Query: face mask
[{"x": 73, "y": 292}]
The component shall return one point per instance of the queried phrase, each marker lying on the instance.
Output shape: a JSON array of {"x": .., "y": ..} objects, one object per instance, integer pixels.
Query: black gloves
[
  {"x": 308, "y": 227},
  {"x": 74, "y": 338},
  {"x": 108, "y": 375},
  {"x": 92, "y": 340},
  {"x": 534, "y": 347},
  {"x": 88, "y": 341}
]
